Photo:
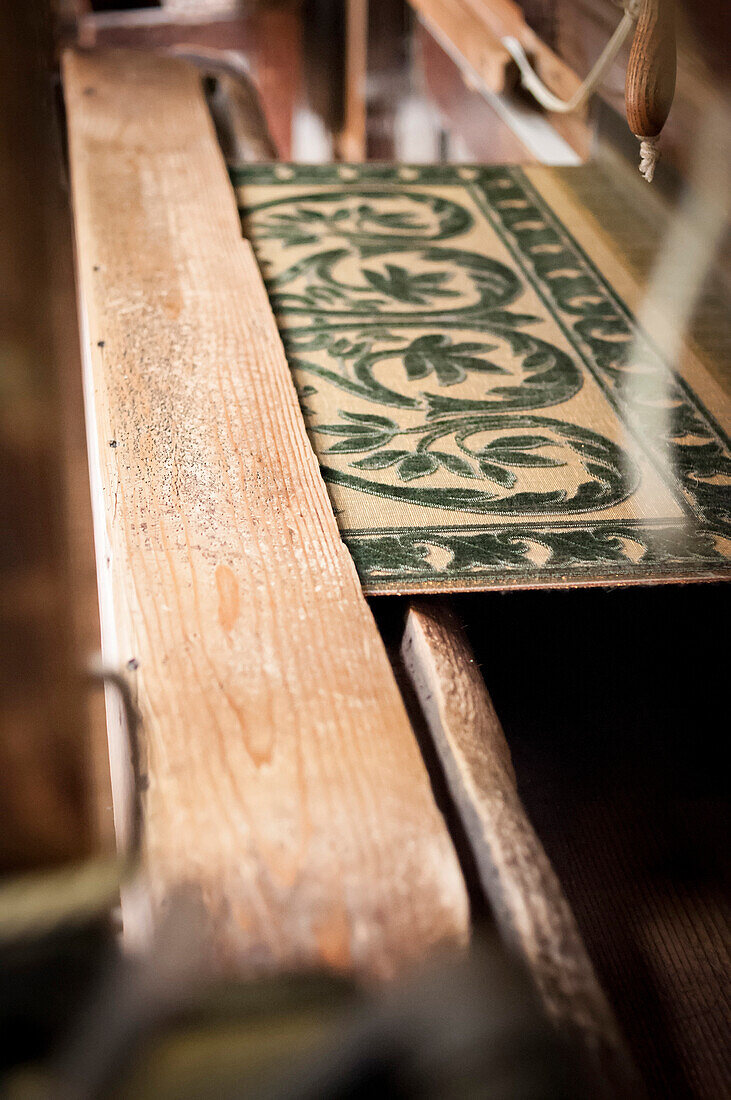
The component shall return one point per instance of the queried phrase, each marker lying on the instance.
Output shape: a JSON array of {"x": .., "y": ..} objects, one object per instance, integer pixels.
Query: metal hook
[{"x": 98, "y": 673}]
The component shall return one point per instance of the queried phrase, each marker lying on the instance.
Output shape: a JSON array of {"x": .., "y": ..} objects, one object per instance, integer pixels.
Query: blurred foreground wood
[
  {"x": 46, "y": 803},
  {"x": 526, "y": 896}
]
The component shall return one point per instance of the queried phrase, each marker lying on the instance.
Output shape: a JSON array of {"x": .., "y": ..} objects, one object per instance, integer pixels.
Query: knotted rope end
[{"x": 649, "y": 156}]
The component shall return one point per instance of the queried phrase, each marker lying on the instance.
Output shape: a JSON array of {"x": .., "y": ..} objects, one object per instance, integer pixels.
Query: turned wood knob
[{"x": 650, "y": 83}]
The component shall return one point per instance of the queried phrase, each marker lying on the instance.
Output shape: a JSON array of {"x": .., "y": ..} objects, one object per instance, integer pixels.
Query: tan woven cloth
[{"x": 484, "y": 409}]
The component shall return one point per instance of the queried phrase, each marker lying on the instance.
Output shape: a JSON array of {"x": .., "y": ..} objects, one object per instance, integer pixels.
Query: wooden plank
[
  {"x": 287, "y": 801},
  {"x": 515, "y": 872}
]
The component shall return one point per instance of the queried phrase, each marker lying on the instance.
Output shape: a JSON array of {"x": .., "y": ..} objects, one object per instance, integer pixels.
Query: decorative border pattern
[
  {"x": 601, "y": 328},
  {"x": 605, "y": 551},
  {"x": 655, "y": 404}
]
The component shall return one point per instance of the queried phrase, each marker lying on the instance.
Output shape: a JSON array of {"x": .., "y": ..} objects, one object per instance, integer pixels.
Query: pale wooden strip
[
  {"x": 528, "y": 902},
  {"x": 353, "y": 136},
  {"x": 287, "y": 798}
]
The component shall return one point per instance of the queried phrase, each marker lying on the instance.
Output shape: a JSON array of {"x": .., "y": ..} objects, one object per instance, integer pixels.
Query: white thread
[
  {"x": 649, "y": 156},
  {"x": 533, "y": 83}
]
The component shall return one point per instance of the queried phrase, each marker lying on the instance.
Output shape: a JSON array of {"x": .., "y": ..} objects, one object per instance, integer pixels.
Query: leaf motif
[
  {"x": 388, "y": 220},
  {"x": 291, "y": 237},
  {"x": 486, "y": 366},
  {"x": 340, "y": 347},
  {"x": 510, "y": 320},
  {"x": 343, "y": 429},
  {"x": 439, "y": 406},
  {"x": 285, "y": 219},
  {"x": 450, "y": 362},
  {"x": 417, "y": 465},
  {"x": 355, "y": 351},
  {"x": 364, "y": 432},
  {"x": 518, "y": 458},
  {"x": 398, "y": 283},
  {"x": 416, "y": 366},
  {"x": 380, "y": 460},
  {"x": 376, "y": 332},
  {"x": 370, "y": 418},
  {"x": 498, "y": 473},
  {"x": 358, "y": 443},
  {"x": 539, "y": 360},
  {"x": 307, "y": 214},
  {"x": 308, "y": 343},
  {"x": 455, "y": 464},
  {"x": 516, "y": 443}
]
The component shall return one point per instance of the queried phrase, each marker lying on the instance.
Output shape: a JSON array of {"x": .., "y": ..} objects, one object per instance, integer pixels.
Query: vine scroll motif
[
  {"x": 444, "y": 379},
  {"x": 362, "y": 323}
]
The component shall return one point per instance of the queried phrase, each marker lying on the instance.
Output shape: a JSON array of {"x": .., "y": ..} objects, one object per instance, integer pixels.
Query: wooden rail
[{"x": 287, "y": 804}]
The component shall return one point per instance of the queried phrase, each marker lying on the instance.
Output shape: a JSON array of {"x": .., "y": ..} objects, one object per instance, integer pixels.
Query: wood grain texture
[
  {"x": 287, "y": 798},
  {"x": 526, "y": 897},
  {"x": 650, "y": 83}
]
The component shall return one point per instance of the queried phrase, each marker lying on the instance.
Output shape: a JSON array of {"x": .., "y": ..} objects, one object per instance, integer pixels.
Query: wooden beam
[
  {"x": 466, "y": 111},
  {"x": 473, "y": 31},
  {"x": 505, "y": 17},
  {"x": 286, "y": 800},
  {"x": 527, "y": 900},
  {"x": 455, "y": 24}
]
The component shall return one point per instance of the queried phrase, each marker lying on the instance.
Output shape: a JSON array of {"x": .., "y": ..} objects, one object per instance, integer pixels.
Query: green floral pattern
[{"x": 379, "y": 300}]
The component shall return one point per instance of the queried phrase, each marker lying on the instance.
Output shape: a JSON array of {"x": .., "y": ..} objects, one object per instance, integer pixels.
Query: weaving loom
[{"x": 306, "y": 385}]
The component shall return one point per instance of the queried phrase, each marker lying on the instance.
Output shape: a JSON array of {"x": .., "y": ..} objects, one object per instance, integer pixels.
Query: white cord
[
  {"x": 649, "y": 156},
  {"x": 533, "y": 83}
]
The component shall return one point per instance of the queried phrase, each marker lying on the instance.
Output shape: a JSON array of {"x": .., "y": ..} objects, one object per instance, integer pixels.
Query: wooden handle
[{"x": 650, "y": 84}]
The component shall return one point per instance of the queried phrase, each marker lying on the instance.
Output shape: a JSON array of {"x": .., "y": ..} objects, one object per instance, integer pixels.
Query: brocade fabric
[{"x": 485, "y": 410}]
